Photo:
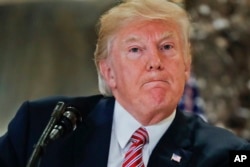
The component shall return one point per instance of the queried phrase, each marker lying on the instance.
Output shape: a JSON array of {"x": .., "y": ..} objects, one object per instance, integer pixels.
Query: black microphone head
[
  {"x": 74, "y": 115},
  {"x": 68, "y": 122}
]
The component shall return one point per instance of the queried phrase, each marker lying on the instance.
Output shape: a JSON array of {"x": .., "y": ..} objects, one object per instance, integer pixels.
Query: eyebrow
[
  {"x": 166, "y": 35},
  {"x": 132, "y": 39},
  {"x": 135, "y": 38}
]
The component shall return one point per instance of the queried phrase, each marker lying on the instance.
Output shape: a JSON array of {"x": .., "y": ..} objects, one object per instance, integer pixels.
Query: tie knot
[{"x": 140, "y": 136}]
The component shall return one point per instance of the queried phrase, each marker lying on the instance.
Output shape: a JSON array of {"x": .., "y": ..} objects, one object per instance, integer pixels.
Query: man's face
[{"x": 146, "y": 69}]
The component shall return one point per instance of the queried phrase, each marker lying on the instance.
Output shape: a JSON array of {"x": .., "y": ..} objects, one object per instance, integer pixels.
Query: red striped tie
[{"x": 133, "y": 157}]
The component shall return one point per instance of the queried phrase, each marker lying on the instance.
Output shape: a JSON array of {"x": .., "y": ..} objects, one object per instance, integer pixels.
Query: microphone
[
  {"x": 63, "y": 120},
  {"x": 68, "y": 122},
  {"x": 39, "y": 148}
]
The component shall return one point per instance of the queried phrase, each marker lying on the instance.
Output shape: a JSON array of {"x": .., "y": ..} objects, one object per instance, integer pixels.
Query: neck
[{"x": 147, "y": 118}]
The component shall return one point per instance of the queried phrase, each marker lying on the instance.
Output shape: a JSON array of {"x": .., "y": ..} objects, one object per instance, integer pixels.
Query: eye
[
  {"x": 166, "y": 47},
  {"x": 134, "y": 50}
]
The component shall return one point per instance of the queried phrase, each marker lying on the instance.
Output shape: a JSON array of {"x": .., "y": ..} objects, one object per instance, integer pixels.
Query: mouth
[
  {"x": 156, "y": 83},
  {"x": 156, "y": 80}
]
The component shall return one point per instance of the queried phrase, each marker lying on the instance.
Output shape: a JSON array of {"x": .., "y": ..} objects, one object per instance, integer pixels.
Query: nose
[{"x": 154, "y": 61}]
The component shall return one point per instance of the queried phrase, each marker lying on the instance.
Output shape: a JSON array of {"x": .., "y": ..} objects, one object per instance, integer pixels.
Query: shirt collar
[{"x": 125, "y": 125}]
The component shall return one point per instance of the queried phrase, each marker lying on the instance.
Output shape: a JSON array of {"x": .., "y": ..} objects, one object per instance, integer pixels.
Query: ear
[
  {"x": 188, "y": 63},
  {"x": 187, "y": 70},
  {"x": 107, "y": 72}
]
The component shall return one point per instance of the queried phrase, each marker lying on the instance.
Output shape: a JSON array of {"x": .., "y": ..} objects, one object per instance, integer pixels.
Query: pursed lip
[{"x": 156, "y": 82}]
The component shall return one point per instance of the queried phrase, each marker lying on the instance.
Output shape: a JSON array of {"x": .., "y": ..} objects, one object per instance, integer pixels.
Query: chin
[{"x": 158, "y": 96}]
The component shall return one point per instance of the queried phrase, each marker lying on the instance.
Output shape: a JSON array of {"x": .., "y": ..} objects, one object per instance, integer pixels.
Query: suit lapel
[
  {"x": 173, "y": 148},
  {"x": 92, "y": 140}
]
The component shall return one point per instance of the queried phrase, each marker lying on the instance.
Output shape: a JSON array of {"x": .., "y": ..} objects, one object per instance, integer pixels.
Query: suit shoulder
[
  {"x": 47, "y": 104},
  {"x": 66, "y": 99},
  {"x": 52, "y": 100},
  {"x": 207, "y": 135}
]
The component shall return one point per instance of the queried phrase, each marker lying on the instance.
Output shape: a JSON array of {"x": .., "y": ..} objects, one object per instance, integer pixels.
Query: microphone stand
[{"x": 39, "y": 149}]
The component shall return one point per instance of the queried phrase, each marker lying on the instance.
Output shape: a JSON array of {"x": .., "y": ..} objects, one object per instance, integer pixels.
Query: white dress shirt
[{"x": 124, "y": 125}]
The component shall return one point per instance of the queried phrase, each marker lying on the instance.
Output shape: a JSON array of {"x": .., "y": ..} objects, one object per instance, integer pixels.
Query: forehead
[{"x": 153, "y": 29}]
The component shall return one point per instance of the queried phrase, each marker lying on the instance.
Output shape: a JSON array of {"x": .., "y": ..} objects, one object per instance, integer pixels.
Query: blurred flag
[{"x": 191, "y": 100}]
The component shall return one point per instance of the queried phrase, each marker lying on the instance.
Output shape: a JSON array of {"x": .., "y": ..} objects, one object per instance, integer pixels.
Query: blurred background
[{"x": 46, "y": 49}]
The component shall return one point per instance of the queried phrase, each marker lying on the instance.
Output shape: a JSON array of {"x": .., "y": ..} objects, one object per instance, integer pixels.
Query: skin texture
[{"x": 146, "y": 69}]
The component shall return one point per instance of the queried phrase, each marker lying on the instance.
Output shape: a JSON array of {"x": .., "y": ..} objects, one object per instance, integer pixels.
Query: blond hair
[{"x": 131, "y": 10}]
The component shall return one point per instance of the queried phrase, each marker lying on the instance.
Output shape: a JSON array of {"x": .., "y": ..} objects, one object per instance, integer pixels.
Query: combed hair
[{"x": 131, "y": 10}]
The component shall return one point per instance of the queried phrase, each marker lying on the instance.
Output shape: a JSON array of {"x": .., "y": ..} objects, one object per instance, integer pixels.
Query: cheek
[
  {"x": 127, "y": 74},
  {"x": 178, "y": 71}
]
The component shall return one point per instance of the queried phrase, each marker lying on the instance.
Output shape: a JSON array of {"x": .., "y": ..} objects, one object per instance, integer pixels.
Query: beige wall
[{"x": 46, "y": 49}]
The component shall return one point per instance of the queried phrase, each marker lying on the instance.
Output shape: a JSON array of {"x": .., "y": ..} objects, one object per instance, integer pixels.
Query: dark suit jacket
[{"x": 197, "y": 143}]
